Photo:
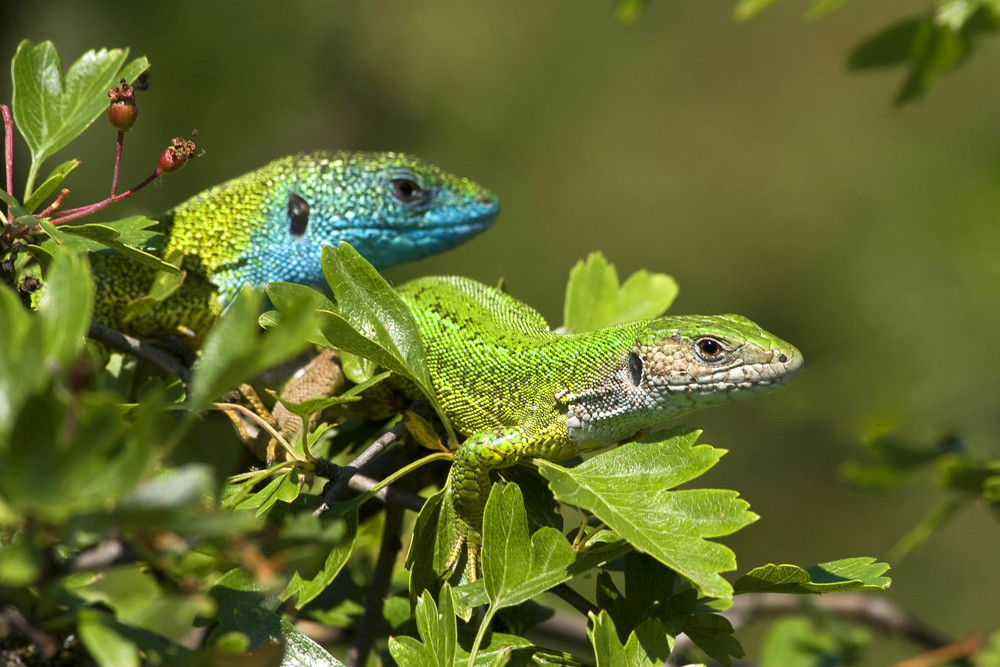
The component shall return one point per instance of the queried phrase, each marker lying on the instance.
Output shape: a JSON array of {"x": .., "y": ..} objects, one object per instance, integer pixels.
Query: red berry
[{"x": 123, "y": 110}]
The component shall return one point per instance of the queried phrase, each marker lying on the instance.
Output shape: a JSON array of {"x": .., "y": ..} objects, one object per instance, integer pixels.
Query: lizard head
[
  {"x": 391, "y": 207},
  {"x": 271, "y": 224},
  {"x": 689, "y": 362},
  {"x": 675, "y": 365}
]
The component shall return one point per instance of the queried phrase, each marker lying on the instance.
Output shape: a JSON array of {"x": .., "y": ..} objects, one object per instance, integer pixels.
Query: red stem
[
  {"x": 74, "y": 213},
  {"x": 118, "y": 162},
  {"x": 8, "y": 145},
  {"x": 54, "y": 206}
]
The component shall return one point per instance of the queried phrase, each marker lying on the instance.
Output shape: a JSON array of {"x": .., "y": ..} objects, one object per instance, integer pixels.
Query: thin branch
[
  {"x": 139, "y": 349},
  {"x": 364, "y": 636},
  {"x": 957, "y": 652},
  {"x": 48, "y": 644},
  {"x": 345, "y": 473},
  {"x": 54, "y": 206},
  {"x": 390, "y": 496}
]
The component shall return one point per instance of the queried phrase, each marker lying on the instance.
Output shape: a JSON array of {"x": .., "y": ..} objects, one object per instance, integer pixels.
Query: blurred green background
[{"x": 741, "y": 158}]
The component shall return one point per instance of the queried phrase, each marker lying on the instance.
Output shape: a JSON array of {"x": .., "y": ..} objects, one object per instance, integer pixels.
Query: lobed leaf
[
  {"x": 517, "y": 567},
  {"x": 847, "y": 574},
  {"x": 628, "y": 488},
  {"x": 50, "y": 108},
  {"x": 595, "y": 300}
]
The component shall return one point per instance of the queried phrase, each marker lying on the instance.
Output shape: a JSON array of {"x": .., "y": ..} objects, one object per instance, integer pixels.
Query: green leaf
[
  {"x": 989, "y": 655},
  {"x": 649, "y": 593},
  {"x": 956, "y": 13},
  {"x": 470, "y": 596},
  {"x": 649, "y": 644},
  {"x": 105, "y": 645},
  {"x": 436, "y": 625},
  {"x": 628, "y": 489},
  {"x": 65, "y": 309},
  {"x": 432, "y": 537},
  {"x": 373, "y": 322},
  {"x": 516, "y": 568},
  {"x": 20, "y": 565},
  {"x": 51, "y": 109},
  {"x": 301, "y": 651},
  {"x": 83, "y": 454},
  {"x": 243, "y": 607},
  {"x": 50, "y": 340},
  {"x": 847, "y": 574},
  {"x": 306, "y": 589},
  {"x": 234, "y": 350},
  {"x": 102, "y": 236},
  {"x": 713, "y": 634},
  {"x": 594, "y": 299},
  {"x": 49, "y": 185},
  {"x": 284, "y": 487},
  {"x": 892, "y": 46},
  {"x": 931, "y": 44},
  {"x": 285, "y": 296}
]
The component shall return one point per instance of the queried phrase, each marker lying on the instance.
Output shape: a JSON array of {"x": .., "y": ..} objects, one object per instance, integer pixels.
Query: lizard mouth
[{"x": 741, "y": 378}]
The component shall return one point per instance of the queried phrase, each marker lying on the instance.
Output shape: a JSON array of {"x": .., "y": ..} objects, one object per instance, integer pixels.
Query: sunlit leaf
[
  {"x": 50, "y": 108},
  {"x": 847, "y": 574},
  {"x": 595, "y": 300},
  {"x": 629, "y": 489}
]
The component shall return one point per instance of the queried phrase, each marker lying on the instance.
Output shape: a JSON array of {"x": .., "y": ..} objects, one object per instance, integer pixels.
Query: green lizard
[
  {"x": 519, "y": 390},
  {"x": 269, "y": 225}
]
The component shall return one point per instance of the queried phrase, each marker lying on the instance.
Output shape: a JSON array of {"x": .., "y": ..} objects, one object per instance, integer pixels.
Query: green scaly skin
[
  {"x": 270, "y": 225},
  {"x": 519, "y": 390}
]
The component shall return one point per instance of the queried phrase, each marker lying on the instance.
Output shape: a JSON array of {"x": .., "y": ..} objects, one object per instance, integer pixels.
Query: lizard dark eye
[
  {"x": 298, "y": 214},
  {"x": 709, "y": 349},
  {"x": 406, "y": 189},
  {"x": 635, "y": 368}
]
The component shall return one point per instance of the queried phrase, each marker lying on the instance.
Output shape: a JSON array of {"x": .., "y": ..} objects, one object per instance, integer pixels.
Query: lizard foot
[{"x": 469, "y": 542}]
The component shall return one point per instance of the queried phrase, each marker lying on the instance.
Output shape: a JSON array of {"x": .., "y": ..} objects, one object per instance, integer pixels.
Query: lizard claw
[{"x": 471, "y": 548}]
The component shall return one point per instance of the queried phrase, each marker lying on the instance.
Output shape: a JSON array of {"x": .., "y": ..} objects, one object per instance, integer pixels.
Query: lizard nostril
[{"x": 782, "y": 358}]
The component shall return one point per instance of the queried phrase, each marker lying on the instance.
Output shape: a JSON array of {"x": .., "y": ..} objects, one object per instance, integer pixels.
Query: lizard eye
[
  {"x": 710, "y": 350},
  {"x": 406, "y": 189}
]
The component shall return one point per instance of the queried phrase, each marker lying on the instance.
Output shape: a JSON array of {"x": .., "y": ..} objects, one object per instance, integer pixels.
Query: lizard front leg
[{"x": 470, "y": 487}]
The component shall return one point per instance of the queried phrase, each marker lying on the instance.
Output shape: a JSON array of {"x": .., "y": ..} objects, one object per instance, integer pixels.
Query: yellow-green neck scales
[
  {"x": 520, "y": 390},
  {"x": 270, "y": 225}
]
